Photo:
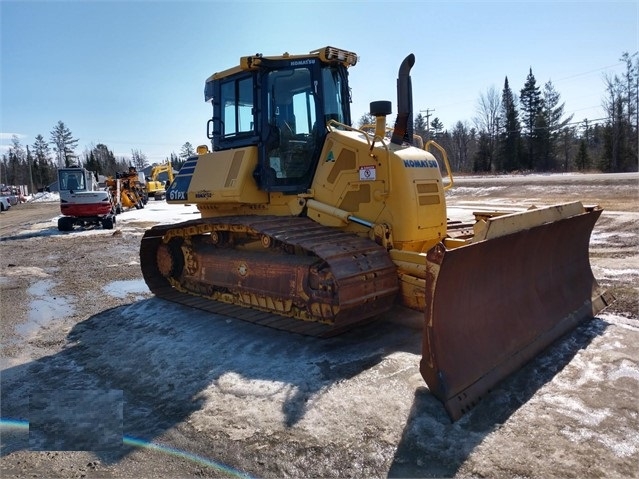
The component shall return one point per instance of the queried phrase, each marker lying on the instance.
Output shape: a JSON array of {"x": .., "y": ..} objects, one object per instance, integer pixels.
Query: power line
[
  {"x": 428, "y": 112},
  {"x": 589, "y": 72}
]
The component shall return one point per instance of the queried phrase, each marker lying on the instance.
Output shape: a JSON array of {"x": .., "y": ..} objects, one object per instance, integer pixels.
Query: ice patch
[
  {"x": 120, "y": 289},
  {"x": 31, "y": 271},
  {"x": 625, "y": 322},
  {"x": 623, "y": 447},
  {"x": 626, "y": 369},
  {"x": 620, "y": 447},
  {"x": 575, "y": 409},
  {"x": 466, "y": 190},
  {"x": 235, "y": 384},
  {"x": 600, "y": 237},
  {"x": 44, "y": 198},
  {"x": 44, "y": 308},
  {"x": 611, "y": 273}
]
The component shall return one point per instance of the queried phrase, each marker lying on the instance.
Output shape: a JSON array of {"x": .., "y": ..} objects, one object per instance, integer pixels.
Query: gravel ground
[{"x": 199, "y": 395}]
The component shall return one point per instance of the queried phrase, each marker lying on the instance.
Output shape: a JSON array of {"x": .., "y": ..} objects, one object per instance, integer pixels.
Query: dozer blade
[{"x": 497, "y": 303}]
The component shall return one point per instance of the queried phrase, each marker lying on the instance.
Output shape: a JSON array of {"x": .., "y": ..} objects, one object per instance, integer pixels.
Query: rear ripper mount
[{"x": 332, "y": 280}]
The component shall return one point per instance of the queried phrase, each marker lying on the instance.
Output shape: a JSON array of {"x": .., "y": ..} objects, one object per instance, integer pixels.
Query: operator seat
[{"x": 72, "y": 183}]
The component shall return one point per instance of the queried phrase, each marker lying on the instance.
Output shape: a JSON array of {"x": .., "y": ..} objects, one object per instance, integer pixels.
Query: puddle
[
  {"x": 120, "y": 289},
  {"x": 43, "y": 308}
]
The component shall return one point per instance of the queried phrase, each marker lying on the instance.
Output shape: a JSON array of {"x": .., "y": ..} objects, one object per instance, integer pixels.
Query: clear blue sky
[{"x": 130, "y": 74}]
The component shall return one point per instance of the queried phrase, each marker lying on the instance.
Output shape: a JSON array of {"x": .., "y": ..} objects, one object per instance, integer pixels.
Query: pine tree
[
  {"x": 630, "y": 82},
  {"x": 421, "y": 128},
  {"x": 582, "y": 161},
  {"x": 482, "y": 161},
  {"x": 176, "y": 162},
  {"x": 102, "y": 161},
  {"x": 64, "y": 145},
  {"x": 90, "y": 163},
  {"x": 43, "y": 169},
  {"x": 437, "y": 127},
  {"x": 553, "y": 124},
  {"x": 631, "y": 86},
  {"x": 16, "y": 162},
  {"x": 460, "y": 147},
  {"x": 615, "y": 143},
  {"x": 531, "y": 106},
  {"x": 510, "y": 151}
]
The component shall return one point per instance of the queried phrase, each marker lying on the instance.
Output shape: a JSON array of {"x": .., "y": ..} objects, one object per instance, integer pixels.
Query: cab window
[{"x": 237, "y": 101}]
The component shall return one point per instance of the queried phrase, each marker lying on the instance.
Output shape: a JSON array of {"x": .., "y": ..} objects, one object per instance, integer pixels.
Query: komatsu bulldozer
[{"x": 312, "y": 226}]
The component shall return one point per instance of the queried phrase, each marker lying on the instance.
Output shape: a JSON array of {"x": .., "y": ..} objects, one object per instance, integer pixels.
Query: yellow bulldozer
[{"x": 312, "y": 226}]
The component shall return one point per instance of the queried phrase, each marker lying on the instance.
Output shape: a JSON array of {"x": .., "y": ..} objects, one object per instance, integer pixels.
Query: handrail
[
  {"x": 430, "y": 143},
  {"x": 426, "y": 146},
  {"x": 332, "y": 122}
]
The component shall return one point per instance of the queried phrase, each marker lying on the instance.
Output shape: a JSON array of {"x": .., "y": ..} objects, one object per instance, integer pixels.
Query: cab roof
[{"x": 326, "y": 55}]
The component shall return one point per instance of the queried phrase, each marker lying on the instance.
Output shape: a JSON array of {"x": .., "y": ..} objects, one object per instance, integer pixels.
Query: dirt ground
[{"x": 177, "y": 392}]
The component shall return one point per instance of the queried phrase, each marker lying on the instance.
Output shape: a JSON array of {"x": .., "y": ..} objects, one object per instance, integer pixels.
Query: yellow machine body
[{"x": 312, "y": 226}]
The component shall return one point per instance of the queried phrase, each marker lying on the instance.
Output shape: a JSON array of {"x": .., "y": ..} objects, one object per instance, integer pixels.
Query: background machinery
[
  {"x": 155, "y": 187},
  {"x": 127, "y": 190},
  {"x": 82, "y": 202},
  {"x": 312, "y": 226}
]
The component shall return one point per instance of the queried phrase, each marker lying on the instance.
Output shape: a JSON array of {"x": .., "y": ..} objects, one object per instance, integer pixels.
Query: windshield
[
  {"x": 291, "y": 104},
  {"x": 291, "y": 116},
  {"x": 71, "y": 180}
]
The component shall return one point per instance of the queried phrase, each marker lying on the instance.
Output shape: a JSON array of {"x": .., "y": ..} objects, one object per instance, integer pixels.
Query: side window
[
  {"x": 229, "y": 116},
  {"x": 332, "y": 95},
  {"x": 237, "y": 107}
]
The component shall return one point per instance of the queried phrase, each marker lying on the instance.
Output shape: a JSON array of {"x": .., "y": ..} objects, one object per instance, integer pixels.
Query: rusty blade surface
[{"x": 496, "y": 304}]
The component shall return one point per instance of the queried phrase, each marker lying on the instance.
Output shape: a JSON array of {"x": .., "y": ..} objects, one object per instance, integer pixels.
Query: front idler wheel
[{"x": 170, "y": 259}]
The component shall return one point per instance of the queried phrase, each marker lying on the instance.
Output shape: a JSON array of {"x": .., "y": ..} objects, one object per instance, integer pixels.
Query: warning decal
[{"x": 367, "y": 172}]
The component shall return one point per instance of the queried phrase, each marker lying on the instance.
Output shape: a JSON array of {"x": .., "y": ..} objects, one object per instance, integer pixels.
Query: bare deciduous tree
[{"x": 487, "y": 121}]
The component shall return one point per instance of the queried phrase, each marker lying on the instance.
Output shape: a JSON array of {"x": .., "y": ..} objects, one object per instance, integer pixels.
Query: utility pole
[
  {"x": 29, "y": 160},
  {"x": 428, "y": 111}
]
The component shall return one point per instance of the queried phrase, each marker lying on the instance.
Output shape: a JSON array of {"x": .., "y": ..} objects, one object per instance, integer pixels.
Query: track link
[{"x": 357, "y": 279}]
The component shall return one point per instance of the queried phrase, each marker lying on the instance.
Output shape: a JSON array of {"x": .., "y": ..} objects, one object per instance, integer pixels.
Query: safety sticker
[{"x": 367, "y": 172}]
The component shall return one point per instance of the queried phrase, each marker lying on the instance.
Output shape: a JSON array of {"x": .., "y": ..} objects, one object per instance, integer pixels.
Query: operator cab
[
  {"x": 71, "y": 179},
  {"x": 281, "y": 105}
]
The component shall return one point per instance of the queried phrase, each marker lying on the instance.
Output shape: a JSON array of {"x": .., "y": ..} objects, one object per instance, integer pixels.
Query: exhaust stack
[{"x": 403, "y": 131}]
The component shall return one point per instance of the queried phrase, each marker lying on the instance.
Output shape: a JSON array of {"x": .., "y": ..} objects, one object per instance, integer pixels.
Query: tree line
[
  {"x": 36, "y": 165},
  {"x": 530, "y": 131},
  {"x": 510, "y": 132}
]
